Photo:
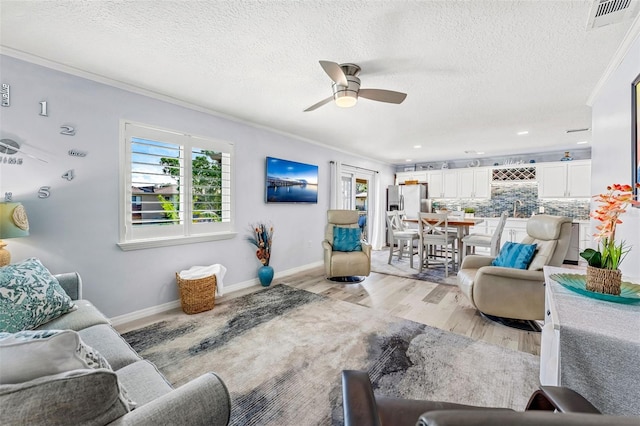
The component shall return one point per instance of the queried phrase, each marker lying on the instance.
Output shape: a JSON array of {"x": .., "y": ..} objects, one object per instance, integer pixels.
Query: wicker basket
[
  {"x": 197, "y": 295},
  {"x": 607, "y": 281}
]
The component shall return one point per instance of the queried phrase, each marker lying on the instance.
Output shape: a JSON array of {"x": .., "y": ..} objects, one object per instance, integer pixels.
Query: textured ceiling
[{"x": 476, "y": 72}]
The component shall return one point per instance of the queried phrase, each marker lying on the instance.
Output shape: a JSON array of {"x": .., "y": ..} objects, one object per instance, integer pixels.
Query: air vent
[
  {"x": 606, "y": 12},
  {"x": 514, "y": 174}
]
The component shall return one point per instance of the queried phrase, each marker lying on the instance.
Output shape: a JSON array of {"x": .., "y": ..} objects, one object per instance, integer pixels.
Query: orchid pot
[{"x": 603, "y": 273}]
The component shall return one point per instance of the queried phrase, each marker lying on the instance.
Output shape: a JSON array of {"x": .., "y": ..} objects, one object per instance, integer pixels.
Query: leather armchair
[
  {"x": 517, "y": 293},
  {"x": 344, "y": 264},
  {"x": 363, "y": 408}
]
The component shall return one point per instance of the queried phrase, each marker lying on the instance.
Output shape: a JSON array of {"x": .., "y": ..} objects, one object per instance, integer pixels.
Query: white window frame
[{"x": 134, "y": 238}]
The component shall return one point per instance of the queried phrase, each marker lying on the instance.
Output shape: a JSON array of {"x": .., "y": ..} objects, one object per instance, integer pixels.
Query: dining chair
[
  {"x": 401, "y": 235},
  {"x": 491, "y": 241},
  {"x": 435, "y": 235}
]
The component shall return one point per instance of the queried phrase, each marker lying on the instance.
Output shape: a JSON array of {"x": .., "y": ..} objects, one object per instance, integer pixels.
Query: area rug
[
  {"x": 402, "y": 268},
  {"x": 281, "y": 352}
]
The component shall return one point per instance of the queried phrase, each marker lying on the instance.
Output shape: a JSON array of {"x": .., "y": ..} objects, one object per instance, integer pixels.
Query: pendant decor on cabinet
[{"x": 567, "y": 156}]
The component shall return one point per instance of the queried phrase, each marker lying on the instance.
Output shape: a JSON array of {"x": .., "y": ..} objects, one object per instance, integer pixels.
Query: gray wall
[
  {"x": 76, "y": 228},
  {"x": 611, "y": 148}
]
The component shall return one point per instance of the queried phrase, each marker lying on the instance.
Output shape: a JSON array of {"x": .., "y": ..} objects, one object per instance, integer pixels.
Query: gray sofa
[{"x": 92, "y": 397}]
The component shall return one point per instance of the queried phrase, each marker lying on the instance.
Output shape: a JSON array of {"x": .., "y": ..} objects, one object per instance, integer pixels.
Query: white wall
[
  {"x": 76, "y": 228},
  {"x": 611, "y": 150}
]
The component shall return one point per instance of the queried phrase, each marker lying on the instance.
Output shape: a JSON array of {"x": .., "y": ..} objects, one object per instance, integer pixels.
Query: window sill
[{"x": 174, "y": 241}]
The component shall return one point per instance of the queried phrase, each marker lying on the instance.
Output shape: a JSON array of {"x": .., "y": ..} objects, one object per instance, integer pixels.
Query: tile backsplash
[{"x": 504, "y": 195}]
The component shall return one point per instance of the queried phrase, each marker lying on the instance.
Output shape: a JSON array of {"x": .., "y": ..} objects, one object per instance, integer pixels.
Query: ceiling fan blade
[
  {"x": 319, "y": 104},
  {"x": 382, "y": 95},
  {"x": 334, "y": 72}
]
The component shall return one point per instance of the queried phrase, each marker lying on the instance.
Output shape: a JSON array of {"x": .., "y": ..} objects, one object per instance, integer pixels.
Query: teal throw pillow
[
  {"x": 30, "y": 296},
  {"x": 515, "y": 255},
  {"x": 346, "y": 239}
]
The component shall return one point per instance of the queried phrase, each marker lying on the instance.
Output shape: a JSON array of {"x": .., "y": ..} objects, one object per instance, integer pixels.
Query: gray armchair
[
  {"x": 517, "y": 293},
  {"x": 344, "y": 266},
  {"x": 363, "y": 408}
]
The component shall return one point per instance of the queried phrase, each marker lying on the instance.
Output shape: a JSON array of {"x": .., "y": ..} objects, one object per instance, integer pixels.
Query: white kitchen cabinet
[
  {"x": 490, "y": 225},
  {"x": 514, "y": 230},
  {"x": 443, "y": 183},
  {"x": 436, "y": 184},
  {"x": 579, "y": 179},
  {"x": 474, "y": 183},
  {"x": 552, "y": 180},
  {"x": 420, "y": 176},
  {"x": 450, "y": 183},
  {"x": 566, "y": 179}
]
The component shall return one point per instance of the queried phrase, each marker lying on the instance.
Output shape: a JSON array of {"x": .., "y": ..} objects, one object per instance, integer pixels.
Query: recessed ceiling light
[
  {"x": 582, "y": 142},
  {"x": 524, "y": 132},
  {"x": 408, "y": 160},
  {"x": 417, "y": 146},
  {"x": 480, "y": 152}
]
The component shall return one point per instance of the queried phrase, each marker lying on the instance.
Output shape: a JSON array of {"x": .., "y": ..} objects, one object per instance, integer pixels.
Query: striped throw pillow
[{"x": 515, "y": 255}]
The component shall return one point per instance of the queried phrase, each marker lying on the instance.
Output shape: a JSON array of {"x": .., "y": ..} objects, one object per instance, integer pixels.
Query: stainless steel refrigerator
[{"x": 410, "y": 198}]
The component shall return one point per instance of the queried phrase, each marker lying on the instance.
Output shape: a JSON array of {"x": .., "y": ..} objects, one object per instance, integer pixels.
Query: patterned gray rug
[
  {"x": 281, "y": 351},
  {"x": 402, "y": 268}
]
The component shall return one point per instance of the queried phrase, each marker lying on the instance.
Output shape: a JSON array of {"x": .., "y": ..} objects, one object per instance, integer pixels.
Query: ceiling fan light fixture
[
  {"x": 346, "y": 88},
  {"x": 346, "y": 99}
]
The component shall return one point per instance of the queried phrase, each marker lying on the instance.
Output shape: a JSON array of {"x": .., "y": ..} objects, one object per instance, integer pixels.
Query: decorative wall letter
[
  {"x": 6, "y": 95},
  {"x": 44, "y": 192},
  {"x": 68, "y": 130}
]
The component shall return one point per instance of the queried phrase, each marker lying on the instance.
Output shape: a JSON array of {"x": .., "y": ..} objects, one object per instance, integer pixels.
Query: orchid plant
[
  {"x": 613, "y": 203},
  {"x": 261, "y": 237}
]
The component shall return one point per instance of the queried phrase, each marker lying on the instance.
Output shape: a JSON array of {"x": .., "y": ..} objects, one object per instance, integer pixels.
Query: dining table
[{"x": 461, "y": 224}]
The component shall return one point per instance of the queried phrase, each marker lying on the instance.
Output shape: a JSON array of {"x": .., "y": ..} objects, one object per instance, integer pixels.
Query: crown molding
[
  {"x": 618, "y": 57},
  {"x": 37, "y": 60}
]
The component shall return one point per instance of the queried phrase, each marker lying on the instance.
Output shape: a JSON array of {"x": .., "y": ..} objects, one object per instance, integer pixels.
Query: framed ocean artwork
[{"x": 290, "y": 182}]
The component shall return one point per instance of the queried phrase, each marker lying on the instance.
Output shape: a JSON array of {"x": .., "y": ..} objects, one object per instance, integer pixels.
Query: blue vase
[{"x": 265, "y": 275}]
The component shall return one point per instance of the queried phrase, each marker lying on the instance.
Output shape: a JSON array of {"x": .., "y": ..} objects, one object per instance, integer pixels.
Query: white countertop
[{"x": 524, "y": 219}]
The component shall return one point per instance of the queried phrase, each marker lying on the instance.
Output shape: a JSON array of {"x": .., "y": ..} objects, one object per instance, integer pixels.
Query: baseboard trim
[{"x": 158, "y": 309}]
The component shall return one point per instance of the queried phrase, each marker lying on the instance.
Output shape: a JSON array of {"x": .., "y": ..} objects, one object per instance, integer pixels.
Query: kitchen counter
[{"x": 524, "y": 219}]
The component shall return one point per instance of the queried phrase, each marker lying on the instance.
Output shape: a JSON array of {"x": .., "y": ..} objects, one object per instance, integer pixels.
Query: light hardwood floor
[{"x": 436, "y": 305}]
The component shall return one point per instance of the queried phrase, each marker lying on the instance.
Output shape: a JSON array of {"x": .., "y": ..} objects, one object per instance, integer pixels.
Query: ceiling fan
[{"x": 346, "y": 87}]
